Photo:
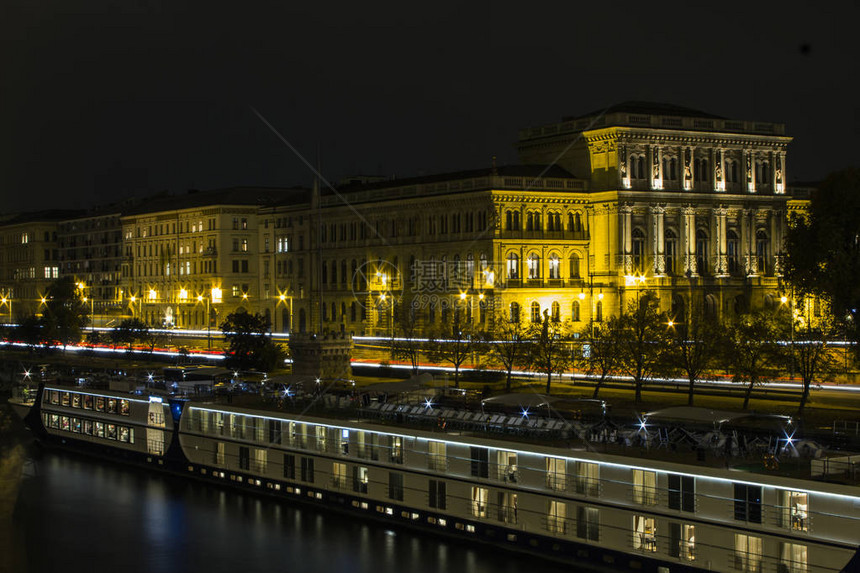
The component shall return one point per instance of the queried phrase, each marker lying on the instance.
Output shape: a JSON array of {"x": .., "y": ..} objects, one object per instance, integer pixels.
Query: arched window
[
  {"x": 333, "y": 311},
  {"x": 343, "y": 272},
  {"x": 574, "y": 311},
  {"x": 516, "y": 221},
  {"x": 470, "y": 269},
  {"x": 513, "y": 266},
  {"x": 732, "y": 251},
  {"x": 509, "y": 221},
  {"x": 761, "y": 250},
  {"x": 638, "y": 249},
  {"x": 514, "y": 315},
  {"x": 702, "y": 251},
  {"x": 334, "y": 272},
  {"x": 324, "y": 273},
  {"x": 554, "y": 267},
  {"x": 482, "y": 311},
  {"x": 570, "y": 226},
  {"x": 353, "y": 311},
  {"x": 556, "y": 312},
  {"x": 671, "y": 246},
  {"x": 535, "y": 311},
  {"x": 710, "y": 307},
  {"x": 534, "y": 266},
  {"x": 574, "y": 266},
  {"x": 598, "y": 312}
]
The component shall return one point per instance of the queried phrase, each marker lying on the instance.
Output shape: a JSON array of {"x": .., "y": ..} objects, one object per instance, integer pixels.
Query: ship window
[
  {"x": 437, "y": 456},
  {"x": 88, "y": 402},
  {"x": 507, "y": 504},
  {"x": 644, "y": 533},
  {"x": 556, "y": 475},
  {"x": 261, "y": 460},
  {"x": 360, "y": 478},
  {"x": 556, "y": 517},
  {"x": 308, "y": 470},
  {"x": 321, "y": 438},
  {"x": 792, "y": 558},
  {"x": 64, "y": 398},
  {"x": 588, "y": 523},
  {"x": 124, "y": 407},
  {"x": 396, "y": 449},
  {"x": 289, "y": 466},
  {"x": 111, "y": 431},
  {"x": 682, "y": 541},
  {"x": 100, "y": 429},
  {"x": 644, "y": 487},
  {"x": 480, "y": 462},
  {"x": 395, "y": 486},
  {"x": 76, "y": 425},
  {"x": 338, "y": 475},
  {"x": 479, "y": 501},
  {"x": 682, "y": 492},
  {"x": 438, "y": 494},
  {"x": 795, "y": 510},
  {"x": 748, "y": 503},
  {"x": 244, "y": 458},
  {"x": 111, "y": 405},
  {"x": 124, "y": 434},
  {"x": 76, "y": 400},
  {"x": 747, "y": 556},
  {"x": 587, "y": 478}
]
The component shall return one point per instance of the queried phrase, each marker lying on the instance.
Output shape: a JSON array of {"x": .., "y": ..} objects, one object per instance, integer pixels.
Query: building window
[
  {"x": 638, "y": 249},
  {"x": 671, "y": 246},
  {"x": 574, "y": 266},
  {"x": 513, "y": 266},
  {"x": 701, "y": 251},
  {"x": 747, "y": 553},
  {"x": 792, "y": 558},
  {"x": 644, "y": 487},
  {"x": 682, "y": 541},
  {"x": 637, "y": 166},
  {"x": 682, "y": 492},
  {"x": 554, "y": 267},
  {"x": 644, "y": 533},
  {"x": 598, "y": 311},
  {"x": 395, "y": 486},
  {"x": 536, "y": 312},
  {"x": 588, "y": 523},
  {"x": 732, "y": 251},
  {"x": 748, "y": 503},
  {"x": 514, "y": 315},
  {"x": 534, "y": 266},
  {"x": 574, "y": 311},
  {"x": 761, "y": 250},
  {"x": 244, "y": 245}
]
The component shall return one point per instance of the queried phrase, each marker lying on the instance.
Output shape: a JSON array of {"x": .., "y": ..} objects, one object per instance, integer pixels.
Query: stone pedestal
[{"x": 324, "y": 356}]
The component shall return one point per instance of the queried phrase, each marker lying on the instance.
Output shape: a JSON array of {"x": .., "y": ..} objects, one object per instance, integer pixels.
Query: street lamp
[
  {"x": 7, "y": 300},
  {"x": 282, "y": 298}
]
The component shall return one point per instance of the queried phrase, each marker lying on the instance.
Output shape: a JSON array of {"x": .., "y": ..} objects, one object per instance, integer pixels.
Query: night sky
[{"x": 105, "y": 100}]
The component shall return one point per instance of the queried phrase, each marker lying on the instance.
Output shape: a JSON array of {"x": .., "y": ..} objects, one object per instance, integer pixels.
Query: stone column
[
  {"x": 689, "y": 239},
  {"x": 721, "y": 265},
  {"x": 658, "y": 213},
  {"x": 626, "y": 213},
  {"x": 747, "y": 237}
]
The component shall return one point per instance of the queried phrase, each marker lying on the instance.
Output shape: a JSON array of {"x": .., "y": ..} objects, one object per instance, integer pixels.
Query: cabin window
[
  {"x": 321, "y": 438},
  {"x": 644, "y": 533},
  {"x": 124, "y": 407},
  {"x": 587, "y": 478},
  {"x": 792, "y": 558},
  {"x": 748, "y": 503},
  {"x": 507, "y": 504},
  {"x": 76, "y": 400},
  {"x": 438, "y": 494},
  {"x": 338, "y": 475},
  {"x": 261, "y": 460},
  {"x": 360, "y": 479},
  {"x": 64, "y": 399},
  {"x": 396, "y": 449},
  {"x": 556, "y": 517},
  {"x": 244, "y": 458},
  {"x": 644, "y": 487},
  {"x": 289, "y": 466},
  {"x": 395, "y": 486},
  {"x": 479, "y": 501},
  {"x": 274, "y": 431},
  {"x": 794, "y": 510},
  {"x": 507, "y": 466},
  {"x": 437, "y": 456},
  {"x": 480, "y": 462},
  {"x": 344, "y": 442},
  {"x": 588, "y": 523},
  {"x": 682, "y": 541},
  {"x": 556, "y": 474},
  {"x": 682, "y": 492},
  {"x": 308, "y": 470},
  {"x": 747, "y": 556}
]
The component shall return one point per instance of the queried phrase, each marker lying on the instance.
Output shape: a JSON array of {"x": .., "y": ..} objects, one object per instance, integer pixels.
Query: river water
[{"x": 77, "y": 514}]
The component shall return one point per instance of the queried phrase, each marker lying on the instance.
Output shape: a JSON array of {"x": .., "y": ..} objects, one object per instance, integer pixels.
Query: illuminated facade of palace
[{"x": 603, "y": 207}]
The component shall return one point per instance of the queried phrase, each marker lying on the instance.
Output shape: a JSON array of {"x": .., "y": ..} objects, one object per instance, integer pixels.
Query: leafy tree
[
  {"x": 752, "y": 350},
  {"x": 249, "y": 345},
  {"x": 811, "y": 354},
  {"x": 29, "y": 331},
  {"x": 602, "y": 356},
  {"x": 65, "y": 313},
  {"x": 694, "y": 346},
  {"x": 452, "y": 342},
  {"x": 507, "y": 345},
  {"x": 550, "y": 348},
  {"x": 128, "y": 331},
  {"x": 823, "y": 250},
  {"x": 639, "y": 337},
  {"x": 406, "y": 343}
]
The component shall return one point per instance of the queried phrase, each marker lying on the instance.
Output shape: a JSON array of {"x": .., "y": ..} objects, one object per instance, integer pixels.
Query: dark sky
[{"x": 103, "y": 100}]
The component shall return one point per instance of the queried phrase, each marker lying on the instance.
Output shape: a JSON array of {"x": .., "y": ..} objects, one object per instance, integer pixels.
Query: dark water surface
[{"x": 76, "y": 514}]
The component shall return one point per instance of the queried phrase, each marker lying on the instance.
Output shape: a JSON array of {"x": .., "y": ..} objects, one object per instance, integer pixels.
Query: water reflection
[{"x": 76, "y": 514}]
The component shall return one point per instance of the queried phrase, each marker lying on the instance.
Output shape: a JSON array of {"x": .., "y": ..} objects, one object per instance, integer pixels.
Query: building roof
[
  {"x": 46, "y": 216},
  {"x": 502, "y": 171},
  {"x": 259, "y": 196},
  {"x": 648, "y": 108}
]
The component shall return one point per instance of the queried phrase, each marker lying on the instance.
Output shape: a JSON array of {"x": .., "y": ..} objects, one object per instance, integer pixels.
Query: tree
[
  {"x": 550, "y": 348},
  {"x": 639, "y": 337},
  {"x": 65, "y": 313},
  {"x": 601, "y": 357},
  {"x": 507, "y": 345},
  {"x": 452, "y": 342},
  {"x": 693, "y": 346},
  {"x": 249, "y": 344},
  {"x": 823, "y": 250},
  {"x": 752, "y": 350},
  {"x": 811, "y": 354},
  {"x": 29, "y": 331},
  {"x": 406, "y": 343},
  {"x": 128, "y": 331}
]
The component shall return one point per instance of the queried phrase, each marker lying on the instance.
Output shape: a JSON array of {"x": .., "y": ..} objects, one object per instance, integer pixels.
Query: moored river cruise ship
[{"x": 596, "y": 510}]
